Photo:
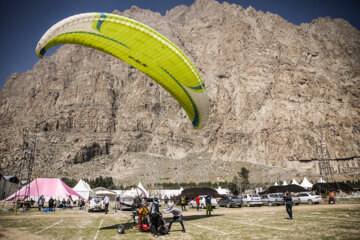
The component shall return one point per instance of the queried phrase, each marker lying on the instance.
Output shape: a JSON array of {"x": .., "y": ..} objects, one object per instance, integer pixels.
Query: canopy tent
[
  {"x": 83, "y": 189},
  {"x": 281, "y": 189},
  {"x": 9, "y": 185},
  {"x": 306, "y": 184},
  {"x": 191, "y": 193},
  {"x": 169, "y": 193},
  {"x": 324, "y": 188},
  {"x": 49, "y": 187},
  {"x": 294, "y": 182},
  {"x": 321, "y": 180},
  {"x": 276, "y": 184},
  {"x": 223, "y": 191},
  {"x": 102, "y": 192},
  {"x": 284, "y": 183}
]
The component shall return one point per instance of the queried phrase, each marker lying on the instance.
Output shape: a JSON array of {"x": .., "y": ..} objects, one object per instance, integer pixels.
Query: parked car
[
  {"x": 96, "y": 204},
  {"x": 251, "y": 200},
  {"x": 310, "y": 198},
  {"x": 272, "y": 199},
  {"x": 192, "y": 203},
  {"x": 295, "y": 200},
  {"x": 230, "y": 201}
]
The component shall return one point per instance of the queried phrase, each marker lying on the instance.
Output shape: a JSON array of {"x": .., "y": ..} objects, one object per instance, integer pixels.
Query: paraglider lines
[{"x": 195, "y": 122}]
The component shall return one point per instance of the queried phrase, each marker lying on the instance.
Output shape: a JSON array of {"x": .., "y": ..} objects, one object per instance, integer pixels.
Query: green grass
[{"x": 340, "y": 221}]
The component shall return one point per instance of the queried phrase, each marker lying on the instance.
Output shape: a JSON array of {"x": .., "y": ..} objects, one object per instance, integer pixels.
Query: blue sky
[{"x": 25, "y": 21}]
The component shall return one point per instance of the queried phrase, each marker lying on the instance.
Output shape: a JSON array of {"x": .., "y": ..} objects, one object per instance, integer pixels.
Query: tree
[
  {"x": 244, "y": 175},
  {"x": 240, "y": 181},
  {"x": 69, "y": 181}
]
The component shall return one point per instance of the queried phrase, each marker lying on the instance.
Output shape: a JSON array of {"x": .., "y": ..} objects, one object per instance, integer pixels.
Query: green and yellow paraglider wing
[{"x": 140, "y": 46}]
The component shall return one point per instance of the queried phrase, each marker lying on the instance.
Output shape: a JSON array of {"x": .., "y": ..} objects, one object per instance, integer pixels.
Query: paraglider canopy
[{"x": 140, "y": 46}]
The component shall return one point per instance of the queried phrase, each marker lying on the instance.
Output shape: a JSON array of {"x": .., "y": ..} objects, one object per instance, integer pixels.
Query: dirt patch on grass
[{"x": 8, "y": 233}]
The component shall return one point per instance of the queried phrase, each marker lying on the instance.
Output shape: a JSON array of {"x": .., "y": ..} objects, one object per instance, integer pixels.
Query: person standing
[
  {"x": 288, "y": 203},
  {"x": 107, "y": 202},
  {"x": 177, "y": 216},
  {"x": 331, "y": 198},
  {"x": 155, "y": 216},
  {"x": 51, "y": 203},
  {"x": 183, "y": 207},
  {"x": 208, "y": 204},
  {"x": 40, "y": 202},
  {"x": 197, "y": 199}
]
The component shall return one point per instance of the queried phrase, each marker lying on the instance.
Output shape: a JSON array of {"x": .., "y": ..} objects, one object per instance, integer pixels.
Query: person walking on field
[
  {"x": 177, "y": 216},
  {"x": 288, "y": 204},
  {"x": 197, "y": 199},
  {"x": 107, "y": 202},
  {"x": 208, "y": 204}
]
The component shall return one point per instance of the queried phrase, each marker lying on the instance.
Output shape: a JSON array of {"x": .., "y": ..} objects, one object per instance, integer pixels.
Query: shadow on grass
[
  {"x": 196, "y": 217},
  {"x": 130, "y": 225},
  {"x": 127, "y": 226}
]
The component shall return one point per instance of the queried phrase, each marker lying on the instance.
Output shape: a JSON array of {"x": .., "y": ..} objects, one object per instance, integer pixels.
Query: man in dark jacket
[
  {"x": 51, "y": 203},
  {"x": 155, "y": 216},
  {"x": 288, "y": 203},
  {"x": 208, "y": 204}
]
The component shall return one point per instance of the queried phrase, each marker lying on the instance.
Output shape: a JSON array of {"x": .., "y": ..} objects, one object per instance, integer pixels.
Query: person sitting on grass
[
  {"x": 68, "y": 203},
  {"x": 177, "y": 216}
]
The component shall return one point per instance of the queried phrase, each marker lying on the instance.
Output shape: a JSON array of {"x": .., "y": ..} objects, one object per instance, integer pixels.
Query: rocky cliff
[{"x": 282, "y": 96}]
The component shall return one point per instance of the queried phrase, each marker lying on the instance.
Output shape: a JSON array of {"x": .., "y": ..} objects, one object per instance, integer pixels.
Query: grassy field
[{"x": 340, "y": 221}]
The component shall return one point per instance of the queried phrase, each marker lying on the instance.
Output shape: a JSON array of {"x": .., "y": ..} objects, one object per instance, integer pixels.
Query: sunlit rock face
[{"x": 279, "y": 93}]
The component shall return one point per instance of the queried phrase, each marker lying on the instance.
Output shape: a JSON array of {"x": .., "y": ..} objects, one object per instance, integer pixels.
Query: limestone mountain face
[{"x": 279, "y": 93}]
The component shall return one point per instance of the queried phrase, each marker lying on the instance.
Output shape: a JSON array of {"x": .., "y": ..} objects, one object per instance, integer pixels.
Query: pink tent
[{"x": 49, "y": 187}]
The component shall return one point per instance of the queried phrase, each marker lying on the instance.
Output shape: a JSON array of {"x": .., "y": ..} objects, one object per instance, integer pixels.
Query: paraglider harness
[{"x": 141, "y": 217}]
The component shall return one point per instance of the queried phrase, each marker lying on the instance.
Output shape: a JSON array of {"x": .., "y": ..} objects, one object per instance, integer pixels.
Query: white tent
[
  {"x": 284, "y": 183},
  {"x": 294, "y": 182},
  {"x": 84, "y": 190},
  {"x": 276, "y": 184},
  {"x": 223, "y": 191},
  {"x": 166, "y": 192},
  {"x": 306, "y": 184},
  {"x": 142, "y": 188},
  {"x": 321, "y": 180}
]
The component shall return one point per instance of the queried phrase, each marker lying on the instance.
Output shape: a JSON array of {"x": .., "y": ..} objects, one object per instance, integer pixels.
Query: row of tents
[
  {"x": 305, "y": 183},
  {"x": 56, "y": 188}
]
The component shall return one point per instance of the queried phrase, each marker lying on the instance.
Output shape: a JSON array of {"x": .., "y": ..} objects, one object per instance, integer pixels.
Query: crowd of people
[{"x": 56, "y": 203}]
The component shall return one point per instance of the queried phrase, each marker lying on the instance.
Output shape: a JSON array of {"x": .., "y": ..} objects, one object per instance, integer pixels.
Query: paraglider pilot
[
  {"x": 155, "y": 216},
  {"x": 177, "y": 215}
]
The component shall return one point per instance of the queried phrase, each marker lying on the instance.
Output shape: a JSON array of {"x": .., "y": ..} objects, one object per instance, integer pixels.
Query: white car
[
  {"x": 96, "y": 204},
  {"x": 192, "y": 203},
  {"x": 308, "y": 197},
  {"x": 252, "y": 200}
]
